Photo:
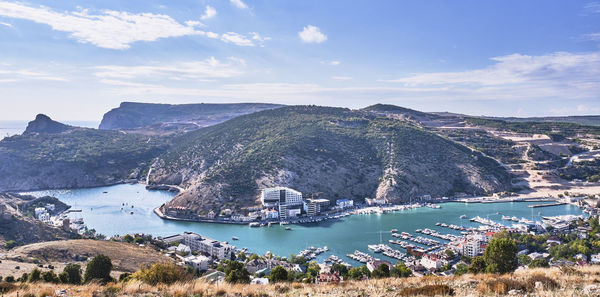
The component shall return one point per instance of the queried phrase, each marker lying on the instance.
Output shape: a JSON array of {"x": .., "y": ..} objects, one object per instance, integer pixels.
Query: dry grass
[{"x": 553, "y": 282}]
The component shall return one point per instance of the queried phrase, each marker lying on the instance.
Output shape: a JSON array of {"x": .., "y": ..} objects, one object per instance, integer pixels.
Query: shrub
[
  {"x": 428, "y": 290},
  {"x": 547, "y": 283},
  {"x": 34, "y": 276},
  {"x": 278, "y": 274},
  {"x": 160, "y": 273},
  {"x": 9, "y": 279},
  {"x": 10, "y": 244},
  {"x": 236, "y": 272},
  {"x": 71, "y": 274},
  {"x": 98, "y": 269},
  {"x": 125, "y": 276},
  {"x": 500, "y": 286},
  {"x": 49, "y": 276}
]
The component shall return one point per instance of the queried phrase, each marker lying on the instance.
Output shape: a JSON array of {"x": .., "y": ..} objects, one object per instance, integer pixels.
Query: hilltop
[
  {"x": 150, "y": 118},
  {"x": 51, "y": 155},
  {"x": 335, "y": 152}
]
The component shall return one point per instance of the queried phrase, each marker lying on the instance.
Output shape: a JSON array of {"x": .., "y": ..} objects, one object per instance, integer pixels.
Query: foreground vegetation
[{"x": 574, "y": 281}]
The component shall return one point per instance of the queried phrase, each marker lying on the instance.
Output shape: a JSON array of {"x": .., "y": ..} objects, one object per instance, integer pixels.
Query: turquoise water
[{"x": 102, "y": 211}]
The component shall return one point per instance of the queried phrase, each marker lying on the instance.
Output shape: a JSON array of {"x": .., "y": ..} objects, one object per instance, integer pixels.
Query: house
[
  {"x": 211, "y": 247},
  {"x": 183, "y": 249},
  {"x": 432, "y": 262},
  {"x": 470, "y": 247},
  {"x": 375, "y": 201},
  {"x": 595, "y": 259},
  {"x": 327, "y": 278},
  {"x": 552, "y": 241},
  {"x": 199, "y": 262},
  {"x": 265, "y": 266},
  {"x": 214, "y": 277},
  {"x": 374, "y": 264}
]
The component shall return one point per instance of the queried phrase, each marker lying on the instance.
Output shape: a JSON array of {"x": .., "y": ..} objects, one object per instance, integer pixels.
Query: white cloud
[
  {"x": 592, "y": 36},
  {"x": 331, "y": 63},
  {"x": 209, "y": 12},
  {"x": 6, "y": 24},
  {"x": 312, "y": 34},
  {"x": 258, "y": 37},
  {"x": 341, "y": 77},
  {"x": 593, "y": 7},
  {"x": 236, "y": 39},
  {"x": 108, "y": 28},
  {"x": 115, "y": 29},
  {"x": 210, "y": 68},
  {"x": 239, "y": 4},
  {"x": 560, "y": 67},
  {"x": 12, "y": 74}
]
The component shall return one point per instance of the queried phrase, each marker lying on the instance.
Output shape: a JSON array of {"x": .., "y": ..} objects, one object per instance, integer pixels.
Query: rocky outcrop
[{"x": 44, "y": 124}]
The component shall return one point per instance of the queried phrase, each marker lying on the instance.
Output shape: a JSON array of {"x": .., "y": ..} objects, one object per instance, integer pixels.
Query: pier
[{"x": 547, "y": 204}]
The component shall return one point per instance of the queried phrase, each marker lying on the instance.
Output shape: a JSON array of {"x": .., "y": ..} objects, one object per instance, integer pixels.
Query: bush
[
  {"x": 539, "y": 263},
  {"x": 477, "y": 265},
  {"x": 34, "y": 276},
  {"x": 9, "y": 279},
  {"x": 428, "y": 290},
  {"x": 49, "y": 277},
  {"x": 500, "y": 286},
  {"x": 547, "y": 283},
  {"x": 501, "y": 255},
  {"x": 160, "y": 273},
  {"x": 400, "y": 270},
  {"x": 125, "y": 276},
  {"x": 236, "y": 272},
  {"x": 10, "y": 244},
  {"x": 71, "y": 274},
  {"x": 278, "y": 274},
  {"x": 382, "y": 271},
  {"x": 98, "y": 269}
]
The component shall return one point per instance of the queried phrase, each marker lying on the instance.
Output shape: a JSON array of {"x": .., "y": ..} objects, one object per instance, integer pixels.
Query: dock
[{"x": 547, "y": 204}]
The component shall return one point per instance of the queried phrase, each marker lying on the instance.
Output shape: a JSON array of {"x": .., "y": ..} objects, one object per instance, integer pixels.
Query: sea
[{"x": 128, "y": 208}]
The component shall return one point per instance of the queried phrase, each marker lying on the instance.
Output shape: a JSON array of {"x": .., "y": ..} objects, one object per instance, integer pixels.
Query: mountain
[
  {"x": 168, "y": 118},
  {"x": 53, "y": 155},
  {"x": 44, "y": 124},
  {"x": 330, "y": 152}
]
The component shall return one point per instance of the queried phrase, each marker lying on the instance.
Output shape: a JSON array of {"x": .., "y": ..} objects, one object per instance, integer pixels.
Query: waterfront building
[
  {"x": 211, "y": 247},
  {"x": 287, "y": 201},
  {"x": 314, "y": 207},
  {"x": 470, "y": 247},
  {"x": 375, "y": 201},
  {"x": 344, "y": 203},
  {"x": 183, "y": 249}
]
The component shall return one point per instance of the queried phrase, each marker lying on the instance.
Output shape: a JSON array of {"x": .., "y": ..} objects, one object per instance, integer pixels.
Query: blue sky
[{"x": 75, "y": 60}]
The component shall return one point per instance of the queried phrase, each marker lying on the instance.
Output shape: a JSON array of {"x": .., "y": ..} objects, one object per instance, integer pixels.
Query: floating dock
[{"x": 547, "y": 204}]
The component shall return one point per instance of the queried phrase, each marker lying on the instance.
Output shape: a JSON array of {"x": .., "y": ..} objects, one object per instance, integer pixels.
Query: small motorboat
[
  {"x": 288, "y": 228},
  {"x": 235, "y": 238}
]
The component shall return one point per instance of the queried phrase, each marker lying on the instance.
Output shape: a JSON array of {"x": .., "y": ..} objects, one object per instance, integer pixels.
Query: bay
[{"x": 109, "y": 213}]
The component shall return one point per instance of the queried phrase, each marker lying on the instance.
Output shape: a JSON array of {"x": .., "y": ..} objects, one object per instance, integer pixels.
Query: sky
[{"x": 75, "y": 60}]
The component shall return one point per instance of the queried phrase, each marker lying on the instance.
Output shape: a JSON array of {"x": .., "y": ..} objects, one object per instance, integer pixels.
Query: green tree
[
  {"x": 49, "y": 277},
  {"x": 138, "y": 240},
  {"x": 539, "y": 263},
  {"x": 501, "y": 255},
  {"x": 34, "y": 276},
  {"x": 340, "y": 269},
  {"x": 477, "y": 265},
  {"x": 355, "y": 273},
  {"x": 98, "y": 269},
  {"x": 236, "y": 272},
  {"x": 450, "y": 254},
  {"x": 461, "y": 268},
  {"x": 278, "y": 274},
  {"x": 524, "y": 259},
  {"x": 382, "y": 271},
  {"x": 71, "y": 274},
  {"x": 160, "y": 273},
  {"x": 400, "y": 270},
  {"x": 128, "y": 238}
]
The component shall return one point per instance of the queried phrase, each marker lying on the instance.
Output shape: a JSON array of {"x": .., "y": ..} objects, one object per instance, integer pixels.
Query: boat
[
  {"x": 254, "y": 224},
  {"x": 288, "y": 228},
  {"x": 104, "y": 192},
  {"x": 394, "y": 230},
  {"x": 131, "y": 212},
  {"x": 463, "y": 216},
  {"x": 235, "y": 238}
]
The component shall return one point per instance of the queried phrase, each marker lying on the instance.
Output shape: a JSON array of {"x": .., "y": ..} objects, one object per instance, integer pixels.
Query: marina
[{"x": 342, "y": 236}]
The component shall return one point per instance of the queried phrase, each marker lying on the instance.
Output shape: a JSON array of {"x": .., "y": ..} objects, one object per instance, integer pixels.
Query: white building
[
  {"x": 595, "y": 259},
  {"x": 213, "y": 248},
  {"x": 344, "y": 203},
  {"x": 470, "y": 247},
  {"x": 198, "y": 262},
  {"x": 432, "y": 262},
  {"x": 288, "y": 201}
]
